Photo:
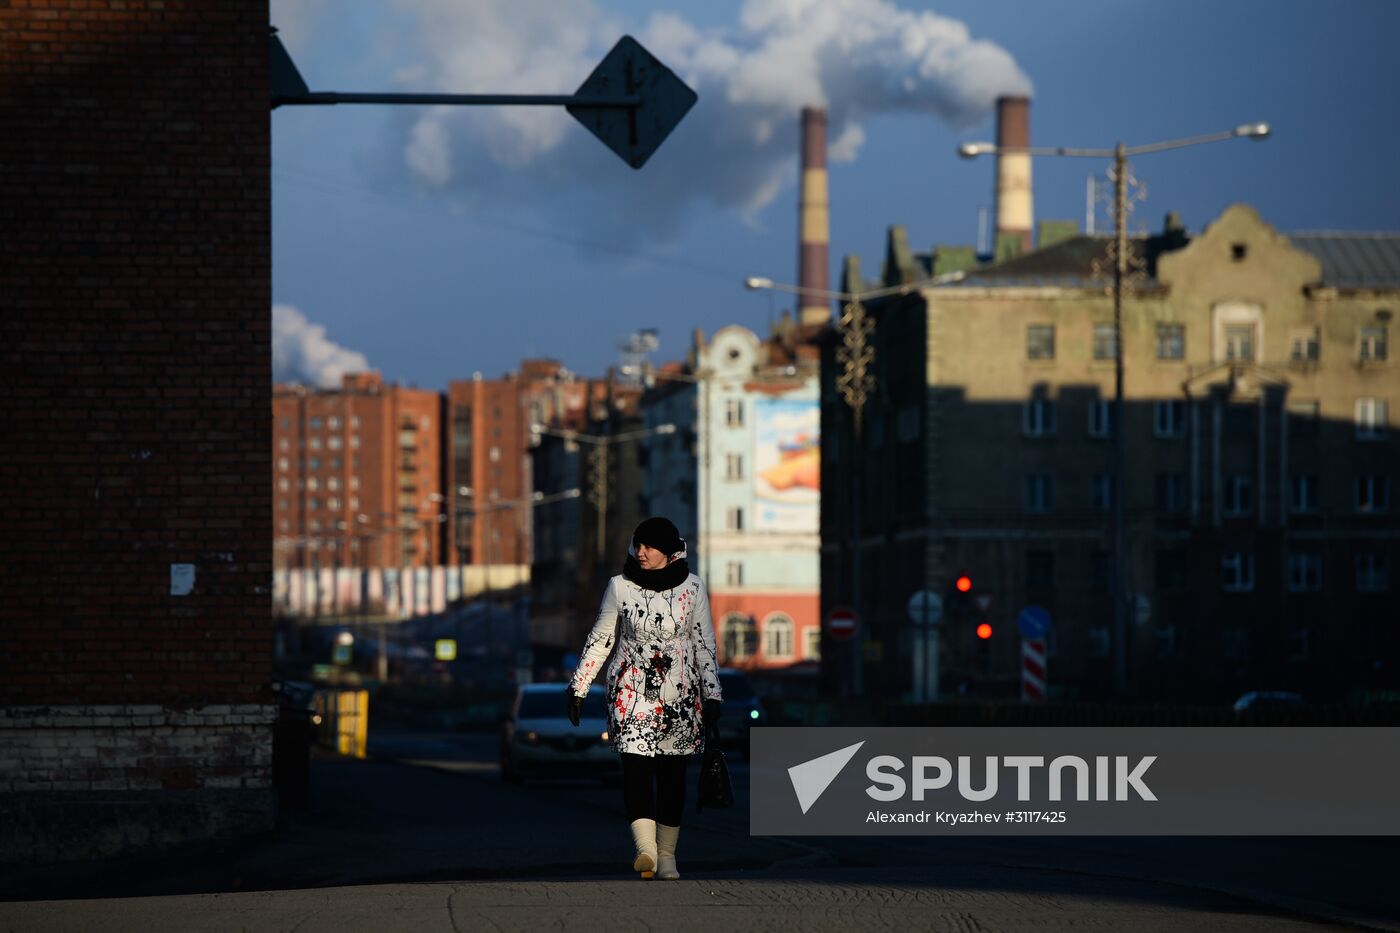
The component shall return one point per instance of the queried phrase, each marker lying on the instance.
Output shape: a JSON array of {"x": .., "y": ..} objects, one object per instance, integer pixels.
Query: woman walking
[{"x": 662, "y": 687}]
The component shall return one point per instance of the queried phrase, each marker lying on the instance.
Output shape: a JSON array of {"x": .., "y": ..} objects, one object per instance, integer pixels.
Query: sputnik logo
[{"x": 810, "y": 779}]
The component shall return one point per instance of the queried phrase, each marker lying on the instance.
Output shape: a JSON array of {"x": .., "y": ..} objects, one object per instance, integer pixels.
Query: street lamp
[
  {"x": 598, "y": 463},
  {"x": 1119, "y": 254},
  {"x": 856, "y": 383}
]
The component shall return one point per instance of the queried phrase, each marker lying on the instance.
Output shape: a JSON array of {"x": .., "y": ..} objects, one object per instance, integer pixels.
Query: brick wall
[{"x": 135, "y": 392}]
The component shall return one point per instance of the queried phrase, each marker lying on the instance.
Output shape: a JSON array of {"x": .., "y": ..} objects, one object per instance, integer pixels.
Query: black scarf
[{"x": 667, "y": 578}]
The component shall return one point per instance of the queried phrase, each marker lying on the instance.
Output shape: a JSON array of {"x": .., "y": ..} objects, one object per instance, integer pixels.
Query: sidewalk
[
  {"x": 381, "y": 821},
  {"x": 845, "y": 899}
]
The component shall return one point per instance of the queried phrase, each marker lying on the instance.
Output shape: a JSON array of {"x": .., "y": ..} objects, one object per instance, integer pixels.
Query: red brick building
[
  {"x": 488, "y": 478},
  {"x": 357, "y": 475},
  {"x": 135, "y": 384}
]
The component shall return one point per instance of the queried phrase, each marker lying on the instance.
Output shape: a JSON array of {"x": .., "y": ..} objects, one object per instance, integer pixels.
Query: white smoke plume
[
  {"x": 302, "y": 353},
  {"x": 736, "y": 149}
]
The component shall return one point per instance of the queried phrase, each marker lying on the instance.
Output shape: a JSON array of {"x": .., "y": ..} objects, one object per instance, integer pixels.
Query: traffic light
[
  {"x": 984, "y": 630},
  {"x": 957, "y": 601}
]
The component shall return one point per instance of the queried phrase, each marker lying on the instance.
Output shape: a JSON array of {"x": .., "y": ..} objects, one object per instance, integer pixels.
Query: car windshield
[
  {"x": 735, "y": 688},
  {"x": 551, "y": 704}
]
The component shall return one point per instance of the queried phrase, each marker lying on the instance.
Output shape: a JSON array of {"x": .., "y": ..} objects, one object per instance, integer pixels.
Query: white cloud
[
  {"x": 737, "y": 149},
  {"x": 301, "y": 351}
]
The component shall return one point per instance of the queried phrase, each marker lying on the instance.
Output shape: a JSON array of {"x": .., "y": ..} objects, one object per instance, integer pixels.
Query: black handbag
[{"x": 716, "y": 790}]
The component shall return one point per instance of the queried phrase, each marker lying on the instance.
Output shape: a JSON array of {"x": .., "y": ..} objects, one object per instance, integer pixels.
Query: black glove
[
  {"x": 710, "y": 713},
  {"x": 575, "y": 708}
]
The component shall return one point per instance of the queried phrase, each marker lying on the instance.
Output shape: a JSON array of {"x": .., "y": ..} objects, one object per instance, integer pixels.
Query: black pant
[{"x": 653, "y": 787}]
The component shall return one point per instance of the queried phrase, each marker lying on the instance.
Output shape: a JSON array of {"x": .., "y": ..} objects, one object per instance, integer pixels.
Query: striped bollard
[{"x": 1033, "y": 670}]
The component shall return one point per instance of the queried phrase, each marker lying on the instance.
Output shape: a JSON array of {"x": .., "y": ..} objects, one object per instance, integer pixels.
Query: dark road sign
[
  {"x": 634, "y": 133},
  {"x": 631, "y": 101},
  {"x": 842, "y": 623}
]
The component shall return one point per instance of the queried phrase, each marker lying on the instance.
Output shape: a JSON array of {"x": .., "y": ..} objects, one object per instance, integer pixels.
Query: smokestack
[
  {"x": 1013, "y": 195},
  {"x": 814, "y": 220}
]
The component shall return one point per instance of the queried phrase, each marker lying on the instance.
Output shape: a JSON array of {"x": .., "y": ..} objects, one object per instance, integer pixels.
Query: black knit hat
[{"x": 659, "y": 533}]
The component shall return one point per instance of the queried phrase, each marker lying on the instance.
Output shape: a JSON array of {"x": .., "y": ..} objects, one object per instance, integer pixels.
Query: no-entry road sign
[{"x": 842, "y": 623}]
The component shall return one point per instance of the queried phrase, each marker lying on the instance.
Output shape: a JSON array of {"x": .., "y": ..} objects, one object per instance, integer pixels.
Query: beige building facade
[{"x": 1260, "y": 542}]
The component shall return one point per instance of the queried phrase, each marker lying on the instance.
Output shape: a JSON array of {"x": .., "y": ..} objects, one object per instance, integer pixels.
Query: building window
[
  {"x": 1303, "y": 497},
  {"x": 1304, "y": 346},
  {"x": 1370, "y": 419},
  {"x": 1171, "y": 492},
  {"x": 282, "y": 463},
  {"x": 1169, "y": 418},
  {"x": 317, "y": 423},
  {"x": 1236, "y": 643},
  {"x": 284, "y": 525},
  {"x": 1040, "y": 342},
  {"x": 1099, "y": 570},
  {"x": 734, "y": 573},
  {"x": 733, "y": 466},
  {"x": 1171, "y": 341},
  {"x": 337, "y": 463},
  {"x": 734, "y": 519},
  {"x": 738, "y": 638},
  {"x": 1371, "y": 348},
  {"x": 1239, "y": 342},
  {"x": 1105, "y": 341},
  {"x": 354, "y": 482},
  {"x": 1371, "y": 572},
  {"x": 314, "y": 463},
  {"x": 332, "y": 484},
  {"x": 734, "y": 413},
  {"x": 286, "y": 424},
  {"x": 334, "y": 442},
  {"x": 333, "y": 423},
  {"x": 1101, "y": 418},
  {"x": 814, "y": 644},
  {"x": 1239, "y": 495},
  {"x": 283, "y": 505},
  {"x": 1237, "y": 572},
  {"x": 1303, "y": 418},
  {"x": 907, "y": 423},
  {"x": 1372, "y": 494},
  {"x": 1040, "y": 492},
  {"x": 1040, "y": 568},
  {"x": 355, "y": 441},
  {"x": 777, "y": 636},
  {"x": 283, "y": 444},
  {"x": 1304, "y": 572},
  {"x": 1102, "y": 493},
  {"x": 1171, "y": 570},
  {"x": 313, "y": 484},
  {"x": 333, "y": 504},
  {"x": 1038, "y": 417},
  {"x": 1238, "y": 251},
  {"x": 355, "y": 421},
  {"x": 283, "y": 485},
  {"x": 354, "y": 503},
  {"x": 314, "y": 504}
]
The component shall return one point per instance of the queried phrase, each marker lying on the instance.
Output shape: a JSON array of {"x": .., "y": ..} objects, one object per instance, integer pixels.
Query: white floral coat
[{"x": 663, "y": 669}]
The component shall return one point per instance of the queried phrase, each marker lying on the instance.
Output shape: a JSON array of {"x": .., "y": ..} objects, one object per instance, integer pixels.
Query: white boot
[
  {"x": 666, "y": 852},
  {"x": 644, "y": 835}
]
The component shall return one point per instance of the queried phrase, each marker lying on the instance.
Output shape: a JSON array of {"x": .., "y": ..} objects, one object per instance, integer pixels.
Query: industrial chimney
[
  {"x": 1013, "y": 195},
  {"x": 814, "y": 220}
]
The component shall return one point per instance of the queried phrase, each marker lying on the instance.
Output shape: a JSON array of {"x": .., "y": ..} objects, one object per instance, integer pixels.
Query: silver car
[{"x": 537, "y": 739}]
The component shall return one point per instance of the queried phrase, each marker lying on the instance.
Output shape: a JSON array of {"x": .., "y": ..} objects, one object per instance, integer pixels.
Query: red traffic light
[
  {"x": 984, "y": 631},
  {"x": 964, "y": 584}
]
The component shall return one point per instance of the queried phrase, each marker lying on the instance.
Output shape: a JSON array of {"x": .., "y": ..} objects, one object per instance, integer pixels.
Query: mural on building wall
[{"x": 787, "y": 465}]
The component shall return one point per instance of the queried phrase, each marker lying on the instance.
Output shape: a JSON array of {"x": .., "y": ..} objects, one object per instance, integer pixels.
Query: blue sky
[{"x": 437, "y": 245}]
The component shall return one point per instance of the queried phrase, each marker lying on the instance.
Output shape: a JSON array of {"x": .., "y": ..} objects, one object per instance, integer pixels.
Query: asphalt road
[{"x": 426, "y": 834}]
